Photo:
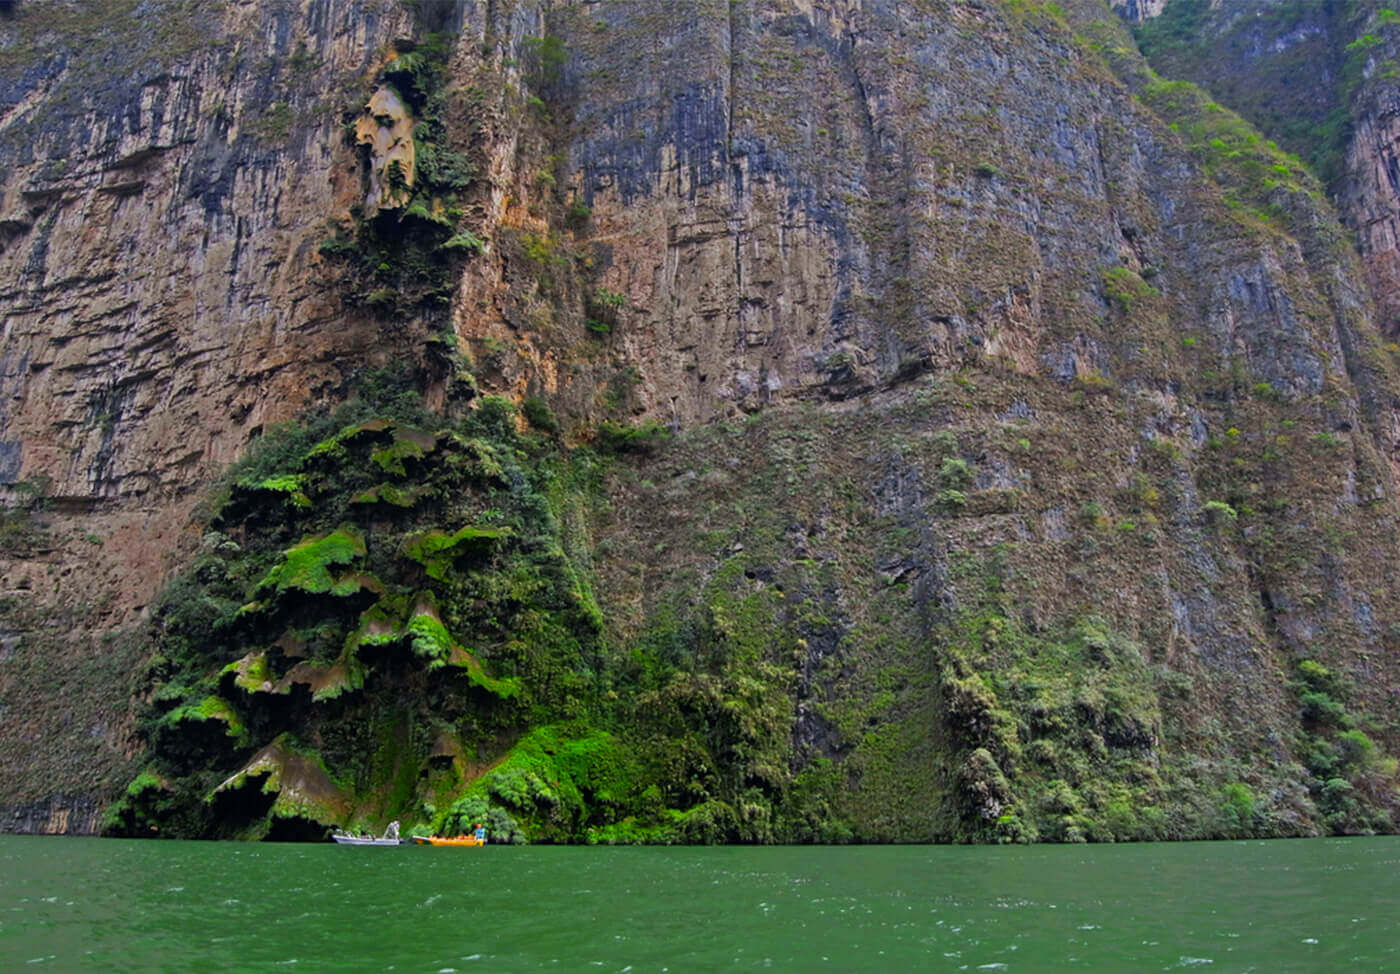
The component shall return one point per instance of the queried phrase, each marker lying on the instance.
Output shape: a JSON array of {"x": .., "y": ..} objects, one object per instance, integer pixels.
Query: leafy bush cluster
[
  {"x": 1124, "y": 289},
  {"x": 1353, "y": 781},
  {"x": 1056, "y": 734},
  {"x": 643, "y": 438}
]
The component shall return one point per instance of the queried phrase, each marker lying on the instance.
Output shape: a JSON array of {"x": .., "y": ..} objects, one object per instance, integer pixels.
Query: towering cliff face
[
  {"x": 1342, "y": 121},
  {"x": 933, "y": 426},
  {"x": 168, "y": 170}
]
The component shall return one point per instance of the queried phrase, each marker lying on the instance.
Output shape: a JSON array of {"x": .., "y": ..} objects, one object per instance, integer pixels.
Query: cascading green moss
[
  {"x": 419, "y": 626},
  {"x": 307, "y": 567}
]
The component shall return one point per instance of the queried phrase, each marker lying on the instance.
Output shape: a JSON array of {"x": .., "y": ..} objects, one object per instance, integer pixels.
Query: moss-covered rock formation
[
  {"x": 333, "y": 643},
  {"x": 863, "y": 657}
]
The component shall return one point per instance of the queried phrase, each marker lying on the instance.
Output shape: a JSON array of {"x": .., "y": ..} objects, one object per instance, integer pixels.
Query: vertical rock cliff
[
  {"x": 764, "y": 420},
  {"x": 1250, "y": 55},
  {"x": 168, "y": 172}
]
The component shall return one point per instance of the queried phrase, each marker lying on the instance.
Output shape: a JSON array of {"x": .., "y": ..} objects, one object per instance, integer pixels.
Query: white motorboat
[{"x": 390, "y": 837}]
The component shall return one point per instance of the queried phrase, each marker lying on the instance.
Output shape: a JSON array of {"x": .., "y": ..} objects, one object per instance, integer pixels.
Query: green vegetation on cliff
[
  {"x": 346, "y": 660},
  {"x": 406, "y": 252},
  {"x": 1250, "y": 55},
  {"x": 352, "y": 631},
  {"x": 787, "y": 661}
]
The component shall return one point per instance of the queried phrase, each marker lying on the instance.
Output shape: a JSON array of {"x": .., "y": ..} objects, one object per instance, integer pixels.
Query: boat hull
[
  {"x": 461, "y": 840},
  {"x": 361, "y": 840}
]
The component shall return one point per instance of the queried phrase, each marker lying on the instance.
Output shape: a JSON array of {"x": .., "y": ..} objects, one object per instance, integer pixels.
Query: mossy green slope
[
  {"x": 349, "y": 631},
  {"x": 344, "y": 661},
  {"x": 1044, "y": 659},
  {"x": 851, "y": 657}
]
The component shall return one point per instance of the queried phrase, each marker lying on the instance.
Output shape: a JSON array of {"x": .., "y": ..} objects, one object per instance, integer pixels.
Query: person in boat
[{"x": 480, "y": 833}]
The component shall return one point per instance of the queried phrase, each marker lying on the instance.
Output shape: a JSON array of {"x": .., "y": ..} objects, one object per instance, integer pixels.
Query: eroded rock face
[
  {"x": 56, "y": 815},
  {"x": 386, "y": 128},
  {"x": 1341, "y": 122},
  {"x": 163, "y": 295},
  {"x": 1370, "y": 195},
  {"x": 163, "y": 197},
  {"x": 863, "y": 224},
  {"x": 1137, "y": 10}
]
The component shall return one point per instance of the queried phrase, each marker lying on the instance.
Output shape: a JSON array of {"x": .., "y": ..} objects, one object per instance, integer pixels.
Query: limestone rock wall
[
  {"x": 168, "y": 170},
  {"x": 1369, "y": 195},
  {"x": 1248, "y": 54},
  {"x": 161, "y": 232},
  {"x": 861, "y": 208},
  {"x": 1137, "y": 10}
]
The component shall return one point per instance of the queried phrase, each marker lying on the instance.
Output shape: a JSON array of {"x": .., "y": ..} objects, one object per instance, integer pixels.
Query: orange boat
[{"x": 440, "y": 840}]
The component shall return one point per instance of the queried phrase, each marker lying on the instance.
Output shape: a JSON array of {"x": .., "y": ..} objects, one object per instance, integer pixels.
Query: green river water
[{"x": 113, "y": 905}]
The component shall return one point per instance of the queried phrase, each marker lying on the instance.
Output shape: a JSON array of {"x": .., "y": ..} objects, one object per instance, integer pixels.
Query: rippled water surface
[{"x": 112, "y": 905}]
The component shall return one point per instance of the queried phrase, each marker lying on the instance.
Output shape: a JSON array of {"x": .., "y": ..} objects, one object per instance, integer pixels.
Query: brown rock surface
[
  {"x": 163, "y": 299},
  {"x": 867, "y": 210}
]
